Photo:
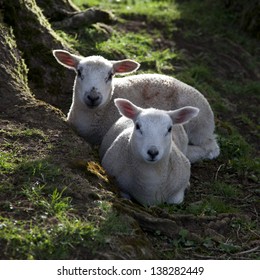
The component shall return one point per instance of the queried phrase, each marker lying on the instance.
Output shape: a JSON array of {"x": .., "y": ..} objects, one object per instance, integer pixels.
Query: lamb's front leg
[{"x": 178, "y": 197}]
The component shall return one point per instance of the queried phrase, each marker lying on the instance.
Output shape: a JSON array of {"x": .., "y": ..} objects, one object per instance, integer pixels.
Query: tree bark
[
  {"x": 63, "y": 14},
  {"x": 36, "y": 40},
  {"x": 57, "y": 10},
  {"x": 84, "y": 18},
  {"x": 14, "y": 91}
]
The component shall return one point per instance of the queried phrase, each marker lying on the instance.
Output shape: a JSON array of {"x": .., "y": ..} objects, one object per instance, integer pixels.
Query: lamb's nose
[
  {"x": 153, "y": 152},
  {"x": 93, "y": 98}
]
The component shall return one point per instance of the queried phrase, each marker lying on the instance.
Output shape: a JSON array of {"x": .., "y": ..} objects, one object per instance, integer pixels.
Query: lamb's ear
[
  {"x": 127, "y": 108},
  {"x": 183, "y": 115},
  {"x": 125, "y": 66},
  {"x": 67, "y": 59}
]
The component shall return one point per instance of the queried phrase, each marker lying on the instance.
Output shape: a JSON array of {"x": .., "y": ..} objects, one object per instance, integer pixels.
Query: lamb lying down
[
  {"x": 93, "y": 112},
  {"x": 139, "y": 151}
]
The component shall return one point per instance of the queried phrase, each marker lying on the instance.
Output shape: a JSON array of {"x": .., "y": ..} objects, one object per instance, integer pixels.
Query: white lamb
[
  {"x": 143, "y": 157},
  {"x": 92, "y": 113}
]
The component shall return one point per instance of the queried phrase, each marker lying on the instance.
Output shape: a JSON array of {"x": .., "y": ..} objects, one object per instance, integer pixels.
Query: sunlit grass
[
  {"x": 162, "y": 11},
  {"x": 43, "y": 239},
  {"x": 139, "y": 47},
  {"x": 7, "y": 162},
  {"x": 23, "y": 132}
]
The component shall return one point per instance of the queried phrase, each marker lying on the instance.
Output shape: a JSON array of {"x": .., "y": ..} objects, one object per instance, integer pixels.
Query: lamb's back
[{"x": 157, "y": 90}]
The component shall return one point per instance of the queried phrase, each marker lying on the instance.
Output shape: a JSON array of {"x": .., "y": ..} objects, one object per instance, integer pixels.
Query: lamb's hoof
[
  {"x": 177, "y": 199},
  {"x": 213, "y": 154}
]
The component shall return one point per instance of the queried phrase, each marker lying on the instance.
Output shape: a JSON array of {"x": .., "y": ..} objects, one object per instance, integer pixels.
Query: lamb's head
[
  {"x": 94, "y": 81},
  {"x": 151, "y": 139}
]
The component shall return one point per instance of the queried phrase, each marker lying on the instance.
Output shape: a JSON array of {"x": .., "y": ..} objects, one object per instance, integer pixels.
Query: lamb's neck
[
  {"x": 86, "y": 122},
  {"x": 151, "y": 173},
  {"x": 79, "y": 110}
]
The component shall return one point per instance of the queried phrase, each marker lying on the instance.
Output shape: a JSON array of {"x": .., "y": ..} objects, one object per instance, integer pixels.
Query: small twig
[
  {"x": 216, "y": 175},
  {"x": 257, "y": 215},
  {"x": 248, "y": 251},
  {"x": 237, "y": 232},
  {"x": 204, "y": 256},
  {"x": 254, "y": 233}
]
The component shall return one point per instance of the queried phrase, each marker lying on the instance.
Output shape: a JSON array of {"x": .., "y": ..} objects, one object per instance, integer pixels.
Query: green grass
[
  {"x": 226, "y": 190},
  {"x": 54, "y": 230},
  {"x": 161, "y": 11},
  {"x": 210, "y": 206},
  {"x": 131, "y": 44},
  {"x": 239, "y": 156},
  {"x": 39, "y": 219},
  {"x": 7, "y": 162},
  {"x": 51, "y": 204},
  {"x": 139, "y": 47},
  {"x": 24, "y": 132},
  {"x": 51, "y": 227},
  {"x": 46, "y": 239},
  {"x": 250, "y": 88}
]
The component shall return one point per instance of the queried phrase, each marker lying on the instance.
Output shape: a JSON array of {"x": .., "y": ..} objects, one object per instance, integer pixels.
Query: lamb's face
[
  {"x": 93, "y": 83},
  {"x": 152, "y": 136}
]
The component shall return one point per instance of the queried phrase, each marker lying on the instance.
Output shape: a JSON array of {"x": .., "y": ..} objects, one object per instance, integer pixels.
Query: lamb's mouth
[
  {"x": 151, "y": 160},
  {"x": 92, "y": 106},
  {"x": 92, "y": 102}
]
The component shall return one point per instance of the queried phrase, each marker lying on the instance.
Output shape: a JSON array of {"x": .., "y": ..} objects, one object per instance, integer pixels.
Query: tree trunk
[
  {"x": 14, "y": 91},
  {"x": 36, "y": 39},
  {"x": 57, "y": 10}
]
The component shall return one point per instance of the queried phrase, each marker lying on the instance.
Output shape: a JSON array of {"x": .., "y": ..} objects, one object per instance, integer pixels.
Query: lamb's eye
[
  {"x": 137, "y": 127},
  {"x": 109, "y": 77},
  {"x": 79, "y": 73},
  {"x": 170, "y": 129}
]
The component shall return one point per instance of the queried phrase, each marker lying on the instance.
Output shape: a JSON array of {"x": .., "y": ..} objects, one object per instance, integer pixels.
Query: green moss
[{"x": 18, "y": 69}]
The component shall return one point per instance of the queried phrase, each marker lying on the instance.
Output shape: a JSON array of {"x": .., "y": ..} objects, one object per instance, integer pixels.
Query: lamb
[
  {"x": 92, "y": 111},
  {"x": 140, "y": 153}
]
